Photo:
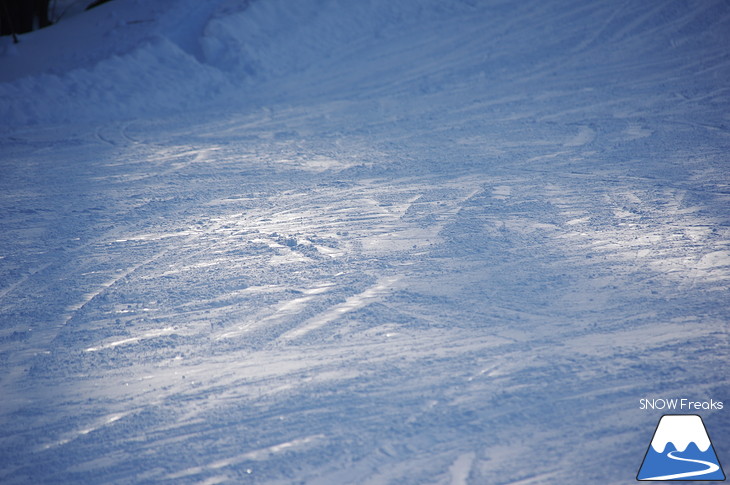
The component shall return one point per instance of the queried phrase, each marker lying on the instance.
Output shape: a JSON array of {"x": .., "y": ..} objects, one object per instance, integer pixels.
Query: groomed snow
[{"x": 370, "y": 242}]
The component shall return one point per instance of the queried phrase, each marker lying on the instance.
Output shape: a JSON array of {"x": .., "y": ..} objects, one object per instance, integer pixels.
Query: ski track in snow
[{"x": 429, "y": 244}]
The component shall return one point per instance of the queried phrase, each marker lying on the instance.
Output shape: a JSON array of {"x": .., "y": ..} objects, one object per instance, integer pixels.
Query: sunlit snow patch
[{"x": 132, "y": 340}]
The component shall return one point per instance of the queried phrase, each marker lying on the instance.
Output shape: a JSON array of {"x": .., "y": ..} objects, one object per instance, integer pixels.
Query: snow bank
[
  {"x": 156, "y": 77},
  {"x": 124, "y": 59}
]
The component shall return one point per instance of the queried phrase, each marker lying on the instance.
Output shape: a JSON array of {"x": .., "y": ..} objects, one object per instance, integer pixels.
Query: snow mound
[{"x": 157, "y": 77}]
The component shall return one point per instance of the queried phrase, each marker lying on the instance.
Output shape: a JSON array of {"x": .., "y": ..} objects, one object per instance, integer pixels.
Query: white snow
[
  {"x": 680, "y": 430},
  {"x": 329, "y": 242}
]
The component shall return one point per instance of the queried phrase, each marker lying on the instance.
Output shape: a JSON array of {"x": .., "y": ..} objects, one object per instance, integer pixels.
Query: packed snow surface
[{"x": 332, "y": 242}]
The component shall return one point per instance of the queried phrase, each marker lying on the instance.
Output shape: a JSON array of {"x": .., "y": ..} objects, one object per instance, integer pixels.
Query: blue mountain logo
[{"x": 681, "y": 450}]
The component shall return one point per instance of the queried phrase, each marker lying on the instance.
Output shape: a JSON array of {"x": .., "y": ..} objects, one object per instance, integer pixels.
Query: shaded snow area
[{"x": 372, "y": 242}]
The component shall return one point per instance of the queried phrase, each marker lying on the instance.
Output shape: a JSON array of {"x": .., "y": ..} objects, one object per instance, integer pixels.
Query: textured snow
[{"x": 335, "y": 242}]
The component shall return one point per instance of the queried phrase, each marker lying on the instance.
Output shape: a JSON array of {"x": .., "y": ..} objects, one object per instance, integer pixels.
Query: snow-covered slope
[{"x": 336, "y": 242}]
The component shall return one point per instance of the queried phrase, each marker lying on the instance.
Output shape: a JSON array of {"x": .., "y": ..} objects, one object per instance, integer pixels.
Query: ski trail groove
[{"x": 355, "y": 302}]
